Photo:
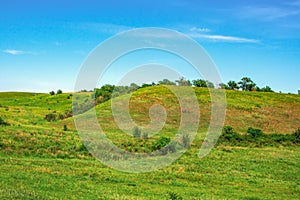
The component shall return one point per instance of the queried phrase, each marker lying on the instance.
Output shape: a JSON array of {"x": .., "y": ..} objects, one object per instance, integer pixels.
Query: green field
[{"x": 45, "y": 159}]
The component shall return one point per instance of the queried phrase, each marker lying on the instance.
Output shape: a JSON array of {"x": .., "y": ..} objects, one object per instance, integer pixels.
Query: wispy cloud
[
  {"x": 223, "y": 38},
  {"x": 13, "y": 52},
  {"x": 202, "y": 30},
  {"x": 267, "y": 13},
  {"x": 17, "y": 52}
]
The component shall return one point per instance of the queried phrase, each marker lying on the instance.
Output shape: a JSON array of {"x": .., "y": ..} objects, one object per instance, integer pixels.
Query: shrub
[
  {"x": 59, "y": 92},
  {"x": 65, "y": 127},
  {"x": 174, "y": 196},
  {"x": 52, "y": 93},
  {"x": 228, "y": 134},
  {"x": 3, "y": 123},
  {"x": 186, "y": 140},
  {"x": 145, "y": 135},
  {"x": 255, "y": 133},
  {"x": 136, "y": 132},
  {"x": 296, "y": 134},
  {"x": 50, "y": 117},
  {"x": 160, "y": 143}
]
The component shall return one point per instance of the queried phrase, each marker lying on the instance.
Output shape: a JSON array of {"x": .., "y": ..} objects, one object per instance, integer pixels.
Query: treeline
[
  {"x": 257, "y": 138},
  {"x": 108, "y": 91}
]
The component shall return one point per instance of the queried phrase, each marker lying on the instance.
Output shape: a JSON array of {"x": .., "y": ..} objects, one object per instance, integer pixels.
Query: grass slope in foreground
[{"x": 39, "y": 160}]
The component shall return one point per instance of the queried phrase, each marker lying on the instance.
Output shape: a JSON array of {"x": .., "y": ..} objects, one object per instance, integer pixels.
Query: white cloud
[
  {"x": 196, "y": 29},
  {"x": 223, "y": 38},
  {"x": 13, "y": 52},
  {"x": 17, "y": 52}
]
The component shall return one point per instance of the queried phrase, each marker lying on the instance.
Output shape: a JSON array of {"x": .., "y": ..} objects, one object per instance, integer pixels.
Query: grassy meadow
[{"x": 42, "y": 156}]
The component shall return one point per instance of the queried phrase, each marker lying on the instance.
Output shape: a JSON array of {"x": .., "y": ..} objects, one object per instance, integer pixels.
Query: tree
[
  {"x": 223, "y": 86},
  {"x": 199, "y": 83},
  {"x": 136, "y": 132},
  {"x": 210, "y": 84},
  {"x": 59, "y": 91},
  {"x": 232, "y": 85},
  {"x": 166, "y": 82},
  {"x": 183, "y": 82},
  {"x": 266, "y": 89},
  {"x": 298, "y": 91},
  {"x": 52, "y": 93},
  {"x": 246, "y": 84}
]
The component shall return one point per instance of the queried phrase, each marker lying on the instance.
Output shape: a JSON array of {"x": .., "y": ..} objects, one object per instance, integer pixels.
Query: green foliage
[
  {"x": 136, "y": 132},
  {"x": 266, "y": 89},
  {"x": 199, "y": 83},
  {"x": 255, "y": 133},
  {"x": 3, "y": 123},
  {"x": 296, "y": 134},
  {"x": 183, "y": 82},
  {"x": 50, "y": 117},
  {"x": 232, "y": 85},
  {"x": 145, "y": 135},
  {"x": 160, "y": 143},
  {"x": 210, "y": 84},
  {"x": 52, "y": 93},
  {"x": 174, "y": 196},
  {"x": 59, "y": 91},
  {"x": 186, "y": 140},
  {"x": 246, "y": 84},
  {"x": 223, "y": 86},
  {"x": 166, "y": 82},
  {"x": 65, "y": 127},
  {"x": 228, "y": 134}
]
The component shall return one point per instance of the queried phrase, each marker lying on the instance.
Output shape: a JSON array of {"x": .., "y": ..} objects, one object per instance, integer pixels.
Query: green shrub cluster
[{"x": 256, "y": 137}]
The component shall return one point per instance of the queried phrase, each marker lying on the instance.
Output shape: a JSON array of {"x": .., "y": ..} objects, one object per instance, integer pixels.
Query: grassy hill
[{"x": 43, "y": 158}]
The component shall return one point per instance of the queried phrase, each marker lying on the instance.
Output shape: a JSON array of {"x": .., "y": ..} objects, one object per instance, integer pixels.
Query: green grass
[{"x": 39, "y": 160}]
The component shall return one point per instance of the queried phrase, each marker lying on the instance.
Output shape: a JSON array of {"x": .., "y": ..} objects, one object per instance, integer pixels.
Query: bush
[
  {"x": 50, "y": 117},
  {"x": 174, "y": 196},
  {"x": 186, "y": 140},
  {"x": 136, "y": 132},
  {"x": 160, "y": 143},
  {"x": 3, "y": 123},
  {"x": 52, "y": 93},
  {"x": 228, "y": 134},
  {"x": 296, "y": 134},
  {"x": 65, "y": 127},
  {"x": 255, "y": 133},
  {"x": 145, "y": 135},
  {"x": 59, "y": 92}
]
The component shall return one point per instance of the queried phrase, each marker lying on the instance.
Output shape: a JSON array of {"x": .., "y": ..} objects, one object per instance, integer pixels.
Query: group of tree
[
  {"x": 108, "y": 91},
  {"x": 245, "y": 84},
  {"x": 58, "y": 92}
]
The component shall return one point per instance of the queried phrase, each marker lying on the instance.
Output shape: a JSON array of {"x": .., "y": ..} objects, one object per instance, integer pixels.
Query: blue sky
[{"x": 44, "y": 43}]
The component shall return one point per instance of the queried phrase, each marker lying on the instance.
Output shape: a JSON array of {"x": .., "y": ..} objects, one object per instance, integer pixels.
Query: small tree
[
  {"x": 183, "y": 82},
  {"x": 246, "y": 84},
  {"x": 65, "y": 127},
  {"x": 52, "y": 93},
  {"x": 299, "y": 92},
  {"x": 210, "y": 84},
  {"x": 145, "y": 135},
  {"x": 266, "y": 89},
  {"x": 166, "y": 82},
  {"x": 59, "y": 91},
  {"x": 223, "y": 86},
  {"x": 136, "y": 132},
  {"x": 199, "y": 83},
  {"x": 232, "y": 85}
]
